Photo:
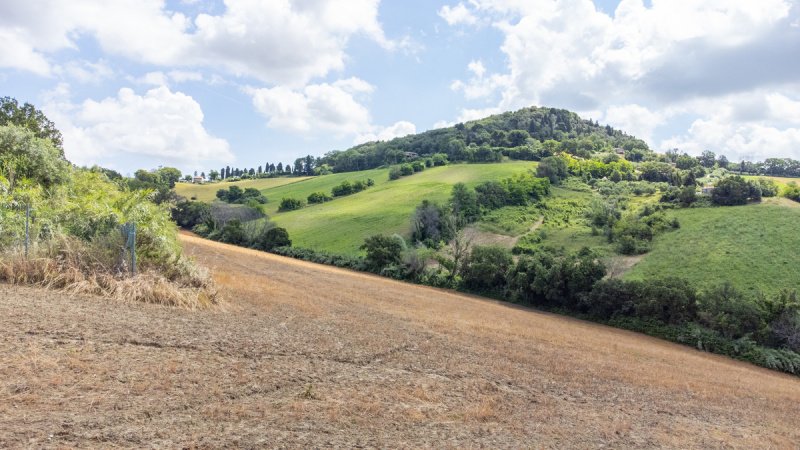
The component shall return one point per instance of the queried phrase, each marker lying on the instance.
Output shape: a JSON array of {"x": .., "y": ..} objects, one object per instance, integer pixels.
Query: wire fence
[{"x": 26, "y": 212}]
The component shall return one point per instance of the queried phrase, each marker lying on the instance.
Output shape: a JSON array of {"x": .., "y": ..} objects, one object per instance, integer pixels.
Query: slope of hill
[
  {"x": 208, "y": 192},
  {"x": 753, "y": 247},
  {"x": 521, "y": 132},
  {"x": 341, "y": 225},
  {"x": 313, "y": 356}
]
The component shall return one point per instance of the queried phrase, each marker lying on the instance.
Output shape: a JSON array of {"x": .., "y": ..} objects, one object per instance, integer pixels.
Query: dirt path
[
  {"x": 479, "y": 237},
  {"x": 313, "y": 356}
]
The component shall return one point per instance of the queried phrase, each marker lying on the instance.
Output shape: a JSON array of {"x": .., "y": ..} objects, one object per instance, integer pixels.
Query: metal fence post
[
  {"x": 133, "y": 248},
  {"x": 27, "y": 227}
]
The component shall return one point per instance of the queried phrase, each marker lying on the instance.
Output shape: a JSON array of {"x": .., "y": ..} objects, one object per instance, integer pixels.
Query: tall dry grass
[{"x": 79, "y": 267}]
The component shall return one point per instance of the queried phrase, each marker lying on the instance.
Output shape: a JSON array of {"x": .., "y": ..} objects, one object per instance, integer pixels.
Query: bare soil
[{"x": 313, "y": 356}]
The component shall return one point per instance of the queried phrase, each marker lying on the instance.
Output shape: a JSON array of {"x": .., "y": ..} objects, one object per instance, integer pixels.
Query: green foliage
[
  {"x": 25, "y": 156},
  {"x": 188, "y": 214},
  {"x": 554, "y": 168},
  {"x": 290, "y": 204},
  {"x": 769, "y": 188},
  {"x": 524, "y": 188},
  {"x": 347, "y": 188},
  {"x": 792, "y": 191},
  {"x": 235, "y": 194},
  {"x": 432, "y": 224},
  {"x": 32, "y": 119},
  {"x": 530, "y": 134},
  {"x": 657, "y": 172},
  {"x": 684, "y": 196},
  {"x": 735, "y": 190},
  {"x": 464, "y": 204},
  {"x": 485, "y": 269},
  {"x": 319, "y": 197},
  {"x": 382, "y": 251}
]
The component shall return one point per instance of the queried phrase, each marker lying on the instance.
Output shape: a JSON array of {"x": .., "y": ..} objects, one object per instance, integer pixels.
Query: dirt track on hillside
[{"x": 312, "y": 356}]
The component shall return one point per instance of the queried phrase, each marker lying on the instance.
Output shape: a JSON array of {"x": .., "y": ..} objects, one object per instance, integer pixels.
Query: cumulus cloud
[
  {"x": 159, "y": 123},
  {"x": 647, "y": 64},
  {"x": 327, "y": 108},
  {"x": 279, "y": 42},
  {"x": 398, "y": 129},
  {"x": 458, "y": 14}
]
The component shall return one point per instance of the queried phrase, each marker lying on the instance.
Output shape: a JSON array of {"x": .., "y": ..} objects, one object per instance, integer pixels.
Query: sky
[{"x": 199, "y": 84}]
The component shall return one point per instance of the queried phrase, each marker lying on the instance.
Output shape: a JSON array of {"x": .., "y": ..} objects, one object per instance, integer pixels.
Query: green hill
[
  {"x": 208, "y": 192},
  {"x": 341, "y": 225},
  {"x": 527, "y": 134},
  {"x": 755, "y": 247}
]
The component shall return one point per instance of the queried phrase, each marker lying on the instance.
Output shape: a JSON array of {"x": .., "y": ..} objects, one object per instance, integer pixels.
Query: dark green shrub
[
  {"x": 485, "y": 268},
  {"x": 382, "y": 251},
  {"x": 319, "y": 197},
  {"x": 290, "y": 204}
]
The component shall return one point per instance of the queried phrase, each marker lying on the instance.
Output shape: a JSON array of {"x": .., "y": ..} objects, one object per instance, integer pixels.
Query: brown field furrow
[{"x": 313, "y": 356}]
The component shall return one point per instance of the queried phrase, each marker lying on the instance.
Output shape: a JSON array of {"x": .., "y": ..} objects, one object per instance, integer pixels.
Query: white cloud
[
  {"x": 160, "y": 123},
  {"x": 458, "y": 14},
  {"x": 398, "y": 129},
  {"x": 647, "y": 64},
  {"x": 316, "y": 108},
  {"x": 279, "y": 42},
  {"x": 85, "y": 71},
  {"x": 754, "y": 125},
  {"x": 635, "y": 120},
  {"x": 322, "y": 109}
]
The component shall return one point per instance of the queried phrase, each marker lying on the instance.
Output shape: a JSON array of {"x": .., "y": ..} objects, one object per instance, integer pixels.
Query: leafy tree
[
  {"x": 464, "y": 204},
  {"x": 734, "y": 190},
  {"x": 485, "y": 268},
  {"x": 723, "y": 162},
  {"x": 492, "y": 195},
  {"x": 685, "y": 161},
  {"x": 27, "y": 116},
  {"x": 214, "y": 175},
  {"x": 553, "y": 168},
  {"x": 25, "y": 156},
  {"x": 432, "y": 224},
  {"x": 382, "y": 251},
  {"x": 707, "y": 159},
  {"x": 669, "y": 300}
]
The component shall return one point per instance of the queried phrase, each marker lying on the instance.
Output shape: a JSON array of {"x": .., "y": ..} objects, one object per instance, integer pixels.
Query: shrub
[
  {"x": 290, "y": 204},
  {"x": 418, "y": 166},
  {"x": 669, "y": 300},
  {"x": 319, "y": 197},
  {"x": 734, "y": 190},
  {"x": 729, "y": 312},
  {"x": 406, "y": 169},
  {"x": 382, "y": 251},
  {"x": 485, "y": 268},
  {"x": 395, "y": 173},
  {"x": 432, "y": 224},
  {"x": 553, "y": 168}
]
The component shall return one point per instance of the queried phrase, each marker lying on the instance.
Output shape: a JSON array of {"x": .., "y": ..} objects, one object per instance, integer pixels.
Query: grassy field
[
  {"x": 755, "y": 247},
  {"x": 341, "y": 225},
  {"x": 207, "y": 192},
  {"x": 782, "y": 181}
]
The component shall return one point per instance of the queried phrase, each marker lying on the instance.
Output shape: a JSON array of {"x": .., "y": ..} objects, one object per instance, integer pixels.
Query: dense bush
[
  {"x": 347, "y": 188},
  {"x": 290, "y": 204},
  {"x": 735, "y": 190},
  {"x": 235, "y": 194},
  {"x": 792, "y": 191},
  {"x": 349, "y": 262},
  {"x": 318, "y": 197},
  {"x": 554, "y": 168},
  {"x": 382, "y": 251},
  {"x": 432, "y": 224},
  {"x": 485, "y": 269}
]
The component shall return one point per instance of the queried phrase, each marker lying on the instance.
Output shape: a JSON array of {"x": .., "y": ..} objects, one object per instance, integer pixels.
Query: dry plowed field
[{"x": 312, "y": 356}]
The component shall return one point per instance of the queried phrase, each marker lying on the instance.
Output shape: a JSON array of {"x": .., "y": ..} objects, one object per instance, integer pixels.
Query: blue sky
[{"x": 201, "y": 84}]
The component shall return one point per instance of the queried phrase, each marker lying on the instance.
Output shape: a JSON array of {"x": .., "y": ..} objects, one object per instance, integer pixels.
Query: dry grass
[
  {"x": 313, "y": 356},
  {"x": 69, "y": 266}
]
